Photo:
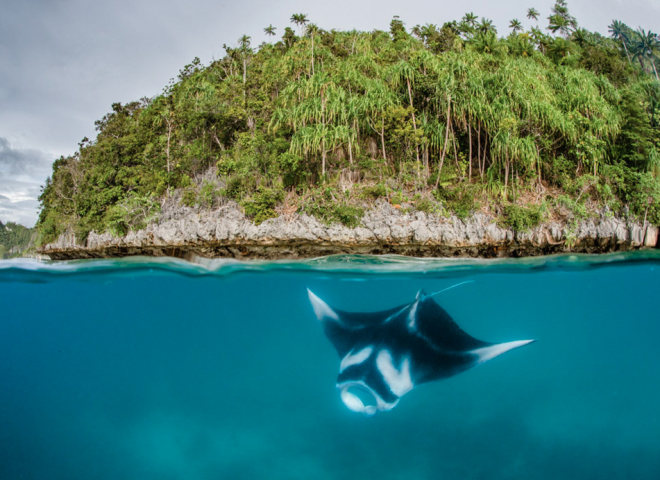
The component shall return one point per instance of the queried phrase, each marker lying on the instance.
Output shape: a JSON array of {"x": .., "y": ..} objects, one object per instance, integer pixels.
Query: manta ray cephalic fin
[{"x": 321, "y": 309}]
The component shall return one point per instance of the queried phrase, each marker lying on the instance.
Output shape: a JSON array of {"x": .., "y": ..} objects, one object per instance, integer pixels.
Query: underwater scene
[{"x": 147, "y": 368}]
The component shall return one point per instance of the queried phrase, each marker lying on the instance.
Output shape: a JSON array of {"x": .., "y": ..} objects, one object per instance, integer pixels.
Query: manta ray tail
[{"x": 443, "y": 290}]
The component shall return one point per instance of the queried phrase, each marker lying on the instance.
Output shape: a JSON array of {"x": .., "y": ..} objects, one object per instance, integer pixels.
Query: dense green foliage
[
  {"x": 14, "y": 239},
  {"x": 439, "y": 119}
]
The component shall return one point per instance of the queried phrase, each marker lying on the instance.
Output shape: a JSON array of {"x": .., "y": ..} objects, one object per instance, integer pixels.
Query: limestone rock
[{"x": 225, "y": 231}]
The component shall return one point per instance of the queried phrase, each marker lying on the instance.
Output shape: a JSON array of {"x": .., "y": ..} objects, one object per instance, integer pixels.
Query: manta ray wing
[
  {"x": 384, "y": 355},
  {"x": 347, "y": 329},
  {"x": 436, "y": 325}
]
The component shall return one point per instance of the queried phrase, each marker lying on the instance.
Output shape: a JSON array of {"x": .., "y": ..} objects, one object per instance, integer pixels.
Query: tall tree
[
  {"x": 619, "y": 31},
  {"x": 647, "y": 46},
  {"x": 312, "y": 31},
  {"x": 270, "y": 30},
  {"x": 486, "y": 25},
  {"x": 404, "y": 71},
  {"x": 246, "y": 53},
  {"x": 300, "y": 19},
  {"x": 561, "y": 20},
  {"x": 533, "y": 13},
  {"x": 515, "y": 25},
  {"x": 471, "y": 19},
  {"x": 289, "y": 37}
]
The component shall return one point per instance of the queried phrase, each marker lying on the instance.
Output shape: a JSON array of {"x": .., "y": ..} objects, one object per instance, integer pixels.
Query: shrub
[
  {"x": 234, "y": 188},
  {"x": 374, "y": 192},
  {"x": 189, "y": 197},
  {"x": 207, "y": 194},
  {"x": 459, "y": 201},
  {"x": 261, "y": 205},
  {"x": 348, "y": 215},
  {"x": 427, "y": 205},
  {"x": 521, "y": 218},
  {"x": 134, "y": 212}
]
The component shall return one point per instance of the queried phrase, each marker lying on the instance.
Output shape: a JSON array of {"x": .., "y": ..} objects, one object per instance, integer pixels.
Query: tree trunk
[
  {"x": 485, "y": 150},
  {"x": 312, "y": 54},
  {"x": 654, "y": 70},
  {"x": 323, "y": 153},
  {"x": 626, "y": 49},
  {"x": 350, "y": 149},
  {"x": 169, "y": 136},
  {"x": 244, "y": 78},
  {"x": 444, "y": 147},
  {"x": 481, "y": 172},
  {"x": 413, "y": 117},
  {"x": 453, "y": 142},
  {"x": 470, "y": 162},
  {"x": 538, "y": 154},
  {"x": 381, "y": 134},
  {"x": 323, "y": 157}
]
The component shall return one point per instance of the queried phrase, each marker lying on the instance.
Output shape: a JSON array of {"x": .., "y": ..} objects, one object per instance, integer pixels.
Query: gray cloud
[
  {"x": 20, "y": 162},
  {"x": 63, "y": 63},
  {"x": 22, "y": 172}
]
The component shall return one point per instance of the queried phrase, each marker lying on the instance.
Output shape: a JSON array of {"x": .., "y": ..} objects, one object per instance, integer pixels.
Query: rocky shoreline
[{"x": 226, "y": 232}]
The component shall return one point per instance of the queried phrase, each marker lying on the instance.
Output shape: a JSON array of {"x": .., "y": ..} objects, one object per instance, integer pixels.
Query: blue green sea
[{"x": 163, "y": 369}]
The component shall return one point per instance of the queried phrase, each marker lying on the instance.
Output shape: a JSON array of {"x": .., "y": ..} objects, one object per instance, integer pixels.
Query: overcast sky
[{"x": 64, "y": 62}]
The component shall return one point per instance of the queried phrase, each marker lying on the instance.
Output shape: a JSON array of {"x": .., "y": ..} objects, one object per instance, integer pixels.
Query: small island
[{"x": 451, "y": 140}]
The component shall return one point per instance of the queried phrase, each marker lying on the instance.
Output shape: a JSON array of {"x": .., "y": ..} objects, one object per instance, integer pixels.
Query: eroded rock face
[{"x": 226, "y": 232}]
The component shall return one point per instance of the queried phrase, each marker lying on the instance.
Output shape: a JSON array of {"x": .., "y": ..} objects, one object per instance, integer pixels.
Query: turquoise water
[{"x": 143, "y": 369}]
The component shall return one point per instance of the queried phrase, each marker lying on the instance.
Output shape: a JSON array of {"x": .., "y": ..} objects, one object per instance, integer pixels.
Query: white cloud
[{"x": 22, "y": 173}]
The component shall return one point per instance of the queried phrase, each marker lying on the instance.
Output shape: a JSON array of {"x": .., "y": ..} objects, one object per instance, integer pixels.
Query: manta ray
[{"x": 386, "y": 354}]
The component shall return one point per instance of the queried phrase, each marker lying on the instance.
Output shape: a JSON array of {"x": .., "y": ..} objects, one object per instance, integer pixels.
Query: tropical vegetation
[
  {"x": 15, "y": 239},
  {"x": 554, "y": 122}
]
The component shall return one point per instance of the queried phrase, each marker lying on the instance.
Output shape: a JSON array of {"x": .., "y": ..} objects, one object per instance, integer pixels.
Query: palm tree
[
  {"x": 533, "y": 13},
  {"x": 299, "y": 19},
  {"x": 470, "y": 19},
  {"x": 270, "y": 30},
  {"x": 246, "y": 51},
  {"x": 619, "y": 31},
  {"x": 542, "y": 40},
  {"x": 646, "y": 46},
  {"x": 561, "y": 20},
  {"x": 312, "y": 31},
  {"x": 486, "y": 43},
  {"x": 521, "y": 45},
  {"x": 515, "y": 25},
  {"x": 486, "y": 26},
  {"x": 582, "y": 37},
  {"x": 559, "y": 48},
  {"x": 558, "y": 24}
]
